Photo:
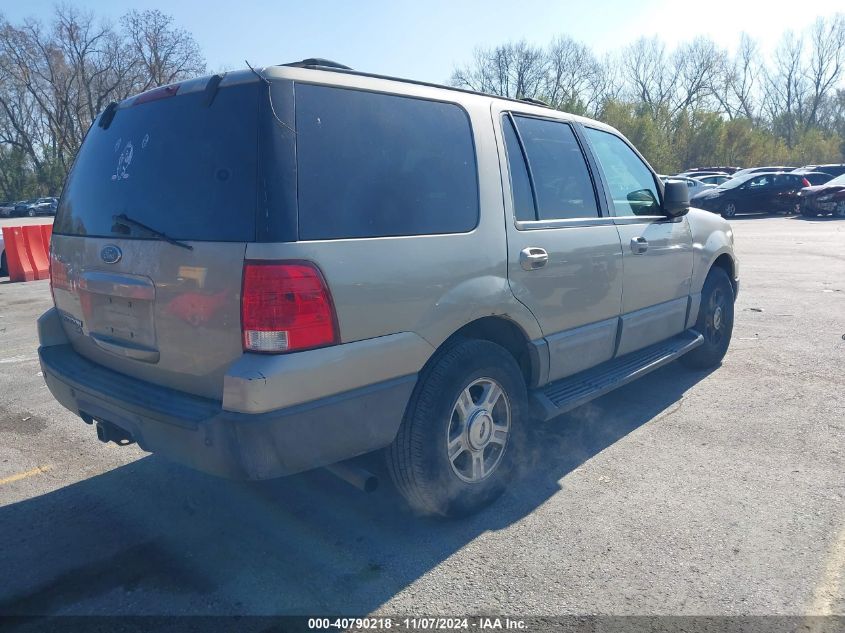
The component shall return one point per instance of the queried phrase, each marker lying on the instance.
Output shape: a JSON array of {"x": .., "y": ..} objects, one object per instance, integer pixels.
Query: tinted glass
[
  {"x": 760, "y": 182},
  {"x": 562, "y": 182},
  {"x": 175, "y": 164},
  {"x": 523, "y": 200},
  {"x": 631, "y": 183},
  {"x": 374, "y": 165}
]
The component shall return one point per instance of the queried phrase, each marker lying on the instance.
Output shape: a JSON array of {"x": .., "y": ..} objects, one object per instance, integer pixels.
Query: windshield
[
  {"x": 839, "y": 180},
  {"x": 176, "y": 164},
  {"x": 733, "y": 183}
]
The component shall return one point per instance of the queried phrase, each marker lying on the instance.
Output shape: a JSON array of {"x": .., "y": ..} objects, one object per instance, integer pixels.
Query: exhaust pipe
[
  {"x": 107, "y": 432},
  {"x": 361, "y": 478}
]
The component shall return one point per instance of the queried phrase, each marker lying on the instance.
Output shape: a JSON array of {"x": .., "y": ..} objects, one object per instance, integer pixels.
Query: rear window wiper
[{"x": 128, "y": 222}]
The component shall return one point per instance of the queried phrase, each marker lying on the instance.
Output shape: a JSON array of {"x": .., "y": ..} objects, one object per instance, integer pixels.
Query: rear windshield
[{"x": 176, "y": 164}]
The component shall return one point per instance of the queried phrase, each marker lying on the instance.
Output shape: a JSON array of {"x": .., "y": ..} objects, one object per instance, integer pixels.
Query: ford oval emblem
[{"x": 111, "y": 254}]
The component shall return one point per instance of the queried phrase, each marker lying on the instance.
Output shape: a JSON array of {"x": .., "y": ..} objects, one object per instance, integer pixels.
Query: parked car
[
  {"x": 828, "y": 198},
  {"x": 758, "y": 170},
  {"x": 372, "y": 296},
  {"x": 724, "y": 169},
  {"x": 815, "y": 177},
  {"x": 22, "y": 206},
  {"x": 770, "y": 192},
  {"x": 699, "y": 174},
  {"x": 694, "y": 185},
  {"x": 833, "y": 170},
  {"x": 39, "y": 206},
  {"x": 713, "y": 179},
  {"x": 7, "y": 209}
]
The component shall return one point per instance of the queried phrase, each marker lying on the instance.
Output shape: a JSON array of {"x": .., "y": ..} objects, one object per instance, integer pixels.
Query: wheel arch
[
  {"x": 507, "y": 334},
  {"x": 728, "y": 264}
]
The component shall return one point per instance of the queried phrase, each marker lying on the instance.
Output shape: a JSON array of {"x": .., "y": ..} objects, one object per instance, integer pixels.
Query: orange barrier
[
  {"x": 46, "y": 233},
  {"x": 27, "y": 251}
]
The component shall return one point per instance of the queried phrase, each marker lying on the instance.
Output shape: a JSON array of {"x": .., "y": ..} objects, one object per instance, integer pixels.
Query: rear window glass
[
  {"x": 175, "y": 164},
  {"x": 372, "y": 164}
]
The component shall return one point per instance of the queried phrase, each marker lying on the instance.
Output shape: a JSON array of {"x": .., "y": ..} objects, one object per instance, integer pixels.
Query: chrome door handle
[
  {"x": 533, "y": 257},
  {"x": 639, "y": 245}
]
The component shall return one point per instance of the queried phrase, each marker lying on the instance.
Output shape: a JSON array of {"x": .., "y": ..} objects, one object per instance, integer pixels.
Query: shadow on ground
[{"x": 154, "y": 538}]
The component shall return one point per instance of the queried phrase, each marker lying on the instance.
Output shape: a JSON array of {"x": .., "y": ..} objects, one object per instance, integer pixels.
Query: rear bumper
[{"x": 199, "y": 433}]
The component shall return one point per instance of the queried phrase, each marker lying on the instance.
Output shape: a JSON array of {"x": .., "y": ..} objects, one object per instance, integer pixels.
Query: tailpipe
[
  {"x": 361, "y": 478},
  {"x": 108, "y": 432}
]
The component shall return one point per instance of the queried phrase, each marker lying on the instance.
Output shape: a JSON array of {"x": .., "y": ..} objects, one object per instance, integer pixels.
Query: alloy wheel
[
  {"x": 478, "y": 430},
  {"x": 714, "y": 326}
]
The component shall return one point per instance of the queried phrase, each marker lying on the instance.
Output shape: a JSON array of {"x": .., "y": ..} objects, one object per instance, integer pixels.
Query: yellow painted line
[
  {"x": 35, "y": 471},
  {"x": 832, "y": 581}
]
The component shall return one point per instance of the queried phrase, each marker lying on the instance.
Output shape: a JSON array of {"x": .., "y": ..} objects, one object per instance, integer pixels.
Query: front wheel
[
  {"x": 729, "y": 211},
  {"x": 839, "y": 210},
  {"x": 715, "y": 321},
  {"x": 455, "y": 450}
]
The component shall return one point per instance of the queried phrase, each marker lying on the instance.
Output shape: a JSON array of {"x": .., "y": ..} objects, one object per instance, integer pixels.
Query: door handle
[
  {"x": 533, "y": 257},
  {"x": 639, "y": 245}
]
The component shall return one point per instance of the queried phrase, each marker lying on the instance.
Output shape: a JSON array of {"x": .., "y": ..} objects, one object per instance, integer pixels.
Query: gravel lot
[{"x": 684, "y": 493}]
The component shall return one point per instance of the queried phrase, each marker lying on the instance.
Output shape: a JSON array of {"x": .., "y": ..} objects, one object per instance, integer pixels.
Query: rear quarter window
[{"x": 373, "y": 165}]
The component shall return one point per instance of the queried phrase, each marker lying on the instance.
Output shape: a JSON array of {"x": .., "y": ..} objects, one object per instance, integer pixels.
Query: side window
[
  {"x": 372, "y": 165},
  {"x": 759, "y": 182},
  {"x": 523, "y": 199},
  {"x": 563, "y": 187},
  {"x": 631, "y": 183}
]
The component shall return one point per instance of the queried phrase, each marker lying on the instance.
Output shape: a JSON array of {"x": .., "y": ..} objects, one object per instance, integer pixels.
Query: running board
[{"x": 568, "y": 393}]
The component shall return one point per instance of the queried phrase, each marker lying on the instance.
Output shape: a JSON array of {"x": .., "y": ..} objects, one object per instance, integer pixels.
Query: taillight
[
  {"x": 805, "y": 182},
  {"x": 285, "y": 307}
]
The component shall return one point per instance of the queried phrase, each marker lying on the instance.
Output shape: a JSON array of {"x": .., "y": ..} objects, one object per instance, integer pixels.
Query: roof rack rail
[
  {"x": 317, "y": 62},
  {"x": 538, "y": 102}
]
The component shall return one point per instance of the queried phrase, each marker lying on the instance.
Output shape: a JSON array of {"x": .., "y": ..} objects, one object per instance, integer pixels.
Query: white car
[{"x": 694, "y": 185}]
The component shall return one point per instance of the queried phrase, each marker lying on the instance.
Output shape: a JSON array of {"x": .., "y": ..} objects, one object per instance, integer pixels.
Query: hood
[
  {"x": 818, "y": 190},
  {"x": 713, "y": 192}
]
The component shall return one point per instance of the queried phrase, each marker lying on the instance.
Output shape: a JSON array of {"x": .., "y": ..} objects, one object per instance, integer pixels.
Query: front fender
[{"x": 712, "y": 237}]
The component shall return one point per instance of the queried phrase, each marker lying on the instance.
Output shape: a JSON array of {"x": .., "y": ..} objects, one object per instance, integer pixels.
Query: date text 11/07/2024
[{"x": 417, "y": 624}]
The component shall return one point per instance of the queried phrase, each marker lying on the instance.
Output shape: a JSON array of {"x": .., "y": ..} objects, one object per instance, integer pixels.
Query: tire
[
  {"x": 31, "y": 213},
  {"x": 447, "y": 410},
  {"x": 729, "y": 210},
  {"x": 716, "y": 326},
  {"x": 3, "y": 268},
  {"x": 839, "y": 210},
  {"x": 807, "y": 213}
]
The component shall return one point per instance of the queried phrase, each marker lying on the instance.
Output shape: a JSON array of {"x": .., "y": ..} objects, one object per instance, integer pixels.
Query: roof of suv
[{"x": 326, "y": 72}]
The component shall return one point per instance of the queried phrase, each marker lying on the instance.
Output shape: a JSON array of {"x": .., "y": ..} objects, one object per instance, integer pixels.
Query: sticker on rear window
[{"x": 123, "y": 162}]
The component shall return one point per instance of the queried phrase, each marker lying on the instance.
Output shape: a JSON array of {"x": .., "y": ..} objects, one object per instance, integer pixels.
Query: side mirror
[{"x": 675, "y": 198}]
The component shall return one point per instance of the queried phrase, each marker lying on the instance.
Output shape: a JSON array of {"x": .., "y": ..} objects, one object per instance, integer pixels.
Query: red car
[{"x": 824, "y": 199}]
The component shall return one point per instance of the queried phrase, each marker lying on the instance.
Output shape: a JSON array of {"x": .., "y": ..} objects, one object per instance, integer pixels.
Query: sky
[{"x": 427, "y": 39}]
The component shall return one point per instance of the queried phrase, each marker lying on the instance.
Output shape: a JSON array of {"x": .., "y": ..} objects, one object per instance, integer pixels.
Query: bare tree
[
  {"x": 164, "y": 52},
  {"x": 826, "y": 65},
  {"x": 513, "y": 70},
  {"x": 54, "y": 80}
]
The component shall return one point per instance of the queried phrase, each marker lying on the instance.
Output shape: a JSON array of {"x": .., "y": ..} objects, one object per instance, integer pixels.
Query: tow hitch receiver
[{"x": 107, "y": 432}]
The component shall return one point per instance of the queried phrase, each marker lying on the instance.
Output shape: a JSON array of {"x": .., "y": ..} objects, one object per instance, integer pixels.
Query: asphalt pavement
[{"x": 717, "y": 493}]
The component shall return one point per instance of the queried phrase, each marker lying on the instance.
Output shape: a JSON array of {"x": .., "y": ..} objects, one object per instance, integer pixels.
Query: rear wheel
[
  {"x": 729, "y": 210},
  {"x": 3, "y": 270},
  {"x": 715, "y": 321},
  {"x": 455, "y": 450},
  {"x": 31, "y": 213},
  {"x": 839, "y": 210}
]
